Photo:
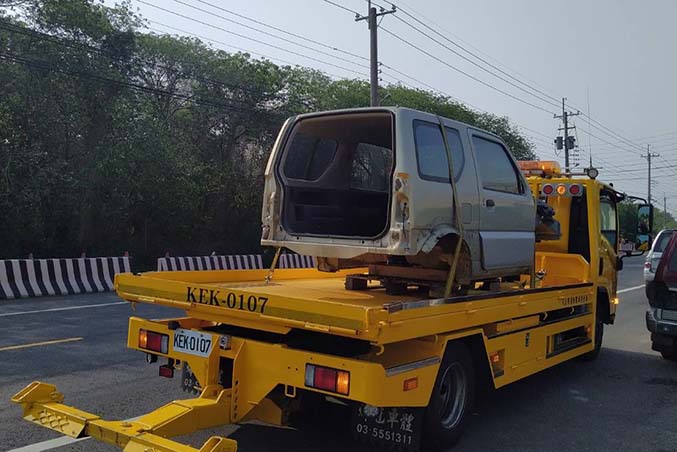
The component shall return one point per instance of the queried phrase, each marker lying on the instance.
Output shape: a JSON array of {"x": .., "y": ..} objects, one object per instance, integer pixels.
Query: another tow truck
[{"x": 264, "y": 345}]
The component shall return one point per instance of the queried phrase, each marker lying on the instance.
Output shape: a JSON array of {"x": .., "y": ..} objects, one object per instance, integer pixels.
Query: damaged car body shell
[{"x": 362, "y": 185}]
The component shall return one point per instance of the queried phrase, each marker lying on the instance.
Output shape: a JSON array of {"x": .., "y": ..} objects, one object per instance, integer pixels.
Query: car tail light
[
  {"x": 574, "y": 189},
  {"x": 150, "y": 340},
  {"x": 547, "y": 189},
  {"x": 647, "y": 265},
  {"x": 327, "y": 379}
]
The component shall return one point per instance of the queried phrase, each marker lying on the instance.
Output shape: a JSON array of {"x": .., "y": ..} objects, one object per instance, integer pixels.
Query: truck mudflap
[{"x": 43, "y": 405}]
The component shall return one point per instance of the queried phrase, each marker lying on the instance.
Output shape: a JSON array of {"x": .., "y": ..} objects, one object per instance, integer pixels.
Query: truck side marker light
[
  {"x": 615, "y": 300},
  {"x": 327, "y": 379},
  {"x": 495, "y": 357},
  {"x": 410, "y": 384}
]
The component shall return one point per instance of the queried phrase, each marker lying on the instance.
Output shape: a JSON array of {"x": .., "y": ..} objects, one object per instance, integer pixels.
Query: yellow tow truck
[{"x": 264, "y": 345}]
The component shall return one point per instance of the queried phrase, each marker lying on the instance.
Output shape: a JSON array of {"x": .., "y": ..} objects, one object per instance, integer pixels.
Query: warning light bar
[
  {"x": 544, "y": 168},
  {"x": 561, "y": 190},
  {"x": 327, "y": 379}
]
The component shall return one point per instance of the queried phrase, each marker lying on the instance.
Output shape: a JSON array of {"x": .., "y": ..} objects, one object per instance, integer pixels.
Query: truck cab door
[
  {"x": 507, "y": 208},
  {"x": 608, "y": 249}
]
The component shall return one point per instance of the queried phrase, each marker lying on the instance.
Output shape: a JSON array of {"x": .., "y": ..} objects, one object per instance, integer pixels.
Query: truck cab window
[
  {"x": 431, "y": 154},
  {"x": 607, "y": 221},
  {"x": 496, "y": 169}
]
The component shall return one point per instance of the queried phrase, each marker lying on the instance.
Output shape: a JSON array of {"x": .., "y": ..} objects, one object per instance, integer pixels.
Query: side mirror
[{"x": 644, "y": 219}]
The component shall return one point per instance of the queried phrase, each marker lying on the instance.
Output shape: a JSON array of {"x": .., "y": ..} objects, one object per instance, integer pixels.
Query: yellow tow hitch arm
[{"x": 43, "y": 405}]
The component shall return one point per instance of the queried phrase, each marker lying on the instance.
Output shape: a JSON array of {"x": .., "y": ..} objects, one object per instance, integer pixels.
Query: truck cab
[{"x": 365, "y": 185}]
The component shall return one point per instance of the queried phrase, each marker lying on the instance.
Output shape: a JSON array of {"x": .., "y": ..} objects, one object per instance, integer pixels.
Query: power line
[
  {"x": 473, "y": 62},
  {"x": 547, "y": 96},
  {"x": 342, "y": 7},
  {"x": 216, "y": 41},
  {"x": 69, "y": 43},
  {"x": 281, "y": 30},
  {"x": 468, "y": 44},
  {"x": 597, "y": 125},
  {"x": 272, "y": 35},
  {"x": 134, "y": 86},
  {"x": 216, "y": 27},
  {"x": 439, "y": 60}
]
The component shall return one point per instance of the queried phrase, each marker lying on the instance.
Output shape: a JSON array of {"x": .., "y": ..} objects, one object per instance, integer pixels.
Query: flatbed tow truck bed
[
  {"x": 318, "y": 301},
  {"x": 253, "y": 349}
]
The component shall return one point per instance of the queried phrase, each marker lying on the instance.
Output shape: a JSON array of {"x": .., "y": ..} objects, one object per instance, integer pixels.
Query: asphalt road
[{"x": 624, "y": 401}]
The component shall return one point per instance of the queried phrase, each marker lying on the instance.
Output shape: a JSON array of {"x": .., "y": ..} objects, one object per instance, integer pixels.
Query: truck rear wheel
[
  {"x": 451, "y": 399},
  {"x": 670, "y": 355}
]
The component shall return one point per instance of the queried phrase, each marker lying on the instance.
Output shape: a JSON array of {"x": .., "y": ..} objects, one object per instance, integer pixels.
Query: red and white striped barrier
[{"x": 21, "y": 278}]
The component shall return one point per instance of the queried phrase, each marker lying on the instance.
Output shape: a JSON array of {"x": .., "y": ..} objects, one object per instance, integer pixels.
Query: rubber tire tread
[{"x": 435, "y": 436}]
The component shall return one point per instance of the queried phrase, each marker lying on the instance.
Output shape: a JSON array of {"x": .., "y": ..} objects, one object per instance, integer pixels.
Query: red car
[{"x": 661, "y": 318}]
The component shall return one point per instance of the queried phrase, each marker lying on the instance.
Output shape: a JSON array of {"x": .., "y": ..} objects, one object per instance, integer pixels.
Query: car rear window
[{"x": 662, "y": 241}]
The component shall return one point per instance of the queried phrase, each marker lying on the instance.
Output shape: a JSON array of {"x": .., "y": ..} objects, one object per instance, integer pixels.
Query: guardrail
[
  {"x": 296, "y": 261},
  {"x": 225, "y": 262},
  {"x": 22, "y": 278},
  {"x": 231, "y": 262}
]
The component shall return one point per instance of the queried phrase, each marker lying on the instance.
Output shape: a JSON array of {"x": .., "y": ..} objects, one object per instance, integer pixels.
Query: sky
[{"x": 614, "y": 60}]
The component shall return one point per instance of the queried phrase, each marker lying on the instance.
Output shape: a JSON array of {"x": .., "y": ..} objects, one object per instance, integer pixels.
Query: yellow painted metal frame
[
  {"x": 43, "y": 405},
  {"x": 513, "y": 329}
]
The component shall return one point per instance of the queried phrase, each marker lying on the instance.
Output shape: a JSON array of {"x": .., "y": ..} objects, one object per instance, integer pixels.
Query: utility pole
[
  {"x": 665, "y": 211},
  {"x": 371, "y": 19},
  {"x": 649, "y": 155},
  {"x": 568, "y": 142}
]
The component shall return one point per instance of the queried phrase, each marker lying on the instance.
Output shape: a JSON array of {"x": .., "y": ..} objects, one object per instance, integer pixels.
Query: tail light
[
  {"x": 647, "y": 265},
  {"x": 574, "y": 189},
  {"x": 150, "y": 340},
  {"x": 547, "y": 189},
  {"x": 327, "y": 379}
]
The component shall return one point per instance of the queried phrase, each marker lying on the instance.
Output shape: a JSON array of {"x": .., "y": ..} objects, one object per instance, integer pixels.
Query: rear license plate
[
  {"x": 399, "y": 426},
  {"x": 193, "y": 342}
]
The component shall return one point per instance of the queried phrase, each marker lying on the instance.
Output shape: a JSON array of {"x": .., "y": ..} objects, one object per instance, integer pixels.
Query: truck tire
[
  {"x": 599, "y": 336},
  {"x": 670, "y": 355},
  {"x": 451, "y": 400}
]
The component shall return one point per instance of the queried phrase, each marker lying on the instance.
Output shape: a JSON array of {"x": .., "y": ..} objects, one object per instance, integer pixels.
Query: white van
[{"x": 366, "y": 185}]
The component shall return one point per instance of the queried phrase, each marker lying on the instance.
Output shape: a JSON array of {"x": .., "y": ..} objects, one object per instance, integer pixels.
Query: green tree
[{"x": 112, "y": 139}]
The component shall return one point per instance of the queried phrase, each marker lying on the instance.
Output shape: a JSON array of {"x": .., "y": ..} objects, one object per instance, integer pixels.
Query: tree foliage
[{"x": 112, "y": 139}]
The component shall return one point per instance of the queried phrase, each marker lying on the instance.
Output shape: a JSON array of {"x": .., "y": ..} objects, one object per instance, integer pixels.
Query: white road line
[
  {"x": 56, "y": 442},
  {"x": 629, "y": 289},
  {"x": 8, "y": 314},
  {"x": 49, "y": 444}
]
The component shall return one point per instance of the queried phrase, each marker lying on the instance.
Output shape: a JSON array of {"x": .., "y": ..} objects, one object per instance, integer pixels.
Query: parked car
[
  {"x": 661, "y": 317},
  {"x": 654, "y": 255}
]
